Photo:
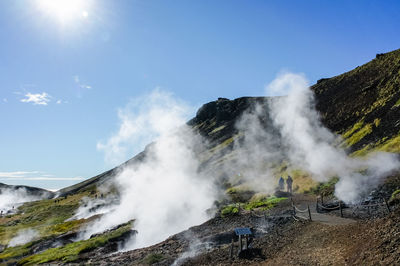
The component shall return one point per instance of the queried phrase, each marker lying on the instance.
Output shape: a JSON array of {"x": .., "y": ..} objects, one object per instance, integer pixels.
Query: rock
[{"x": 54, "y": 242}]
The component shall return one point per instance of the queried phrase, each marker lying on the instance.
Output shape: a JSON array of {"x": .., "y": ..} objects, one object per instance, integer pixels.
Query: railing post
[
  {"x": 231, "y": 250},
  {"x": 309, "y": 212},
  {"x": 387, "y": 205},
  {"x": 240, "y": 243},
  {"x": 316, "y": 206},
  {"x": 294, "y": 210},
  {"x": 341, "y": 209},
  {"x": 322, "y": 198}
]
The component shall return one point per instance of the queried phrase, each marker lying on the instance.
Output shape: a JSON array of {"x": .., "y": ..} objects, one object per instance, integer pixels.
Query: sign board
[{"x": 243, "y": 231}]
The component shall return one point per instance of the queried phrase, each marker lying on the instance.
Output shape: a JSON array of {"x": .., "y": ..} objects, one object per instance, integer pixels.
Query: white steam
[
  {"x": 164, "y": 193},
  {"x": 90, "y": 207},
  {"x": 254, "y": 151},
  {"x": 142, "y": 121},
  {"x": 313, "y": 147},
  {"x": 23, "y": 237},
  {"x": 196, "y": 247},
  {"x": 10, "y": 198}
]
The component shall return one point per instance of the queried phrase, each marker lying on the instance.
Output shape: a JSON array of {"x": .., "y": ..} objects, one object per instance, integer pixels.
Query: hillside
[{"x": 362, "y": 106}]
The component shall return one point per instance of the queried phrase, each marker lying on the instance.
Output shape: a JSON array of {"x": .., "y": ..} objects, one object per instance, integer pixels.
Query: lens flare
[{"x": 65, "y": 11}]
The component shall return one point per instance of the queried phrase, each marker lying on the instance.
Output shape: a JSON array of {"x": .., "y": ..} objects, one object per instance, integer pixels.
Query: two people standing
[{"x": 289, "y": 183}]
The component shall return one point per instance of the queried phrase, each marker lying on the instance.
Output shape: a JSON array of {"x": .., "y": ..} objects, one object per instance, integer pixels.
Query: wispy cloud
[
  {"x": 37, "y": 98},
  {"x": 5, "y": 100},
  {"x": 80, "y": 84},
  {"x": 50, "y": 178},
  {"x": 61, "y": 102},
  {"x": 33, "y": 175},
  {"x": 17, "y": 174}
]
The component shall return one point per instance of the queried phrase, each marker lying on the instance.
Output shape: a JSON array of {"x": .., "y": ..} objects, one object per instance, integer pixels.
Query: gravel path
[{"x": 302, "y": 202}]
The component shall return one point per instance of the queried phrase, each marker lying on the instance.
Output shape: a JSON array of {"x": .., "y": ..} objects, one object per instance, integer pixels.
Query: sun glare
[{"x": 65, "y": 11}]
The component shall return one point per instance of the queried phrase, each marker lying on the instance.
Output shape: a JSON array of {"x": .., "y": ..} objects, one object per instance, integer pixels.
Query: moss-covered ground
[
  {"x": 70, "y": 252},
  {"x": 48, "y": 217},
  {"x": 264, "y": 203},
  {"x": 153, "y": 258},
  {"x": 385, "y": 145}
]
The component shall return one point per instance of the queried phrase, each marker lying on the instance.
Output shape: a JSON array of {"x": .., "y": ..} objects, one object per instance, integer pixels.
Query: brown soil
[
  {"x": 375, "y": 242},
  {"x": 362, "y": 243}
]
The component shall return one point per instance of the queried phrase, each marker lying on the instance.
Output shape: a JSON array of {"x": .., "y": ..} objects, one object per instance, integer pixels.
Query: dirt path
[
  {"x": 332, "y": 240},
  {"x": 316, "y": 244},
  {"x": 374, "y": 242},
  {"x": 302, "y": 202}
]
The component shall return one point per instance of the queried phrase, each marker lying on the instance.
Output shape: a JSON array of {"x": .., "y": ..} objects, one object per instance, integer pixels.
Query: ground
[
  {"x": 331, "y": 242},
  {"x": 280, "y": 240}
]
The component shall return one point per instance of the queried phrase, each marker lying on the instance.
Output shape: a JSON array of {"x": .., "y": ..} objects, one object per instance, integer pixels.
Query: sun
[{"x": 65, "y": 11}]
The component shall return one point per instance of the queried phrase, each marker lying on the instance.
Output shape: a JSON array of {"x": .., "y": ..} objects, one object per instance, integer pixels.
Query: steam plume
[
  {"x": 10, "y": 198},
  {"x": 313, "y": 147},
  {"x": 23, "y": 237},
  {"x": 164, "y": 193}
]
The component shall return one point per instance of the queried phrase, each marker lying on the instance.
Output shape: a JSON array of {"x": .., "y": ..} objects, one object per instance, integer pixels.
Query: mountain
[{"x": 361, "y": 106}]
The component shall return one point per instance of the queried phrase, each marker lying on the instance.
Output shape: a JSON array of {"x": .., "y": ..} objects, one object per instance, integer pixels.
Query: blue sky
[{"x": 62, "y": 82}]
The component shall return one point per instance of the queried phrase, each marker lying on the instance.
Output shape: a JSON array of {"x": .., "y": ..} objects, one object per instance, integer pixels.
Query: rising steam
[
  {"x": 23, "y": 237},
  {"x": 314, "y": 148},
  {"x": 164, "y": 193},
  {"x": 11, "y": 198},
  {"x": 142, "y": 121}
]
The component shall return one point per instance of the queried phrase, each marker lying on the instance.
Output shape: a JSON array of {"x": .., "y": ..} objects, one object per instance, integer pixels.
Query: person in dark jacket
[
  {"x": 289, "y": 183},
  {"x": 281, "y": 183}
]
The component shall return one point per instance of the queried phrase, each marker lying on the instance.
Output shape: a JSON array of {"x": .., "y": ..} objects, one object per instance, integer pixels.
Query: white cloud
[
  {"x": 80, "y": 84},
  {"x": 33, "y": 175},
  {"x": 49, "y": 178},
  {"x": 17, "y": 174},
  {"x": 5, "y": 100},
  {"x": 61, "y": 102},
  {"x": 37, "y": 99}
]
